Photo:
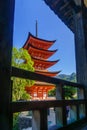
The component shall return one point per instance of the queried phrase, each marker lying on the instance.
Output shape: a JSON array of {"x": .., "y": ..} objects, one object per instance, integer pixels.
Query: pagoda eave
[
  {"x": 35, "y": 52},
  {"x": 37, "y": 87},
  {"x": 37, "y": 42},
  {"x": 47, "y": 73},
  {"x": 42, "y": 64}
]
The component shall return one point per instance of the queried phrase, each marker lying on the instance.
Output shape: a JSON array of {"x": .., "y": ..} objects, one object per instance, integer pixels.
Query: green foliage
[
  {"x": 21, "y": 59},
  {"x": 70, "y": 92},
  {"x": 15, "y": 121},
  {"x": 52, "y": 92}
]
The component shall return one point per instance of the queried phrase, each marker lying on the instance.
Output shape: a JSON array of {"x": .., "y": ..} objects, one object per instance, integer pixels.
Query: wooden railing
[{"x": 77, "y": 106}]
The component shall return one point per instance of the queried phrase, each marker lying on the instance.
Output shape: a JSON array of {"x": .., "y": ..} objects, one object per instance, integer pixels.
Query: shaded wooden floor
[{"x": 82, "y": 127}]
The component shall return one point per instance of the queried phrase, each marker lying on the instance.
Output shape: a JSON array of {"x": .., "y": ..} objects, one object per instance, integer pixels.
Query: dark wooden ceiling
[{"x": 64, "y": 9}]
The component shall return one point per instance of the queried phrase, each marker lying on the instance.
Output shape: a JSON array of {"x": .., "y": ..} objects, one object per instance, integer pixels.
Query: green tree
[
  {"x": 21, "y": 59},
  {"x": 70, "y": 92},
  {"x": 52, "y": 92}
]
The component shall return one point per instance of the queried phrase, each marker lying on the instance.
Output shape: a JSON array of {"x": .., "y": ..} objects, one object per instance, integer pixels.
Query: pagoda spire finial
[{"x": 36, "y": 29}]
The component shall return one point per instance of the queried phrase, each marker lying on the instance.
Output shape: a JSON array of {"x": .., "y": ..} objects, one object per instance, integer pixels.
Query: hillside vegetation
[{"x": 71, "y": 77}]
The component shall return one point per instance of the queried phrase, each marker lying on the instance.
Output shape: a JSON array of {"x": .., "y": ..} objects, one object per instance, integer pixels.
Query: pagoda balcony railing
[{"x": 77, "y": 107}]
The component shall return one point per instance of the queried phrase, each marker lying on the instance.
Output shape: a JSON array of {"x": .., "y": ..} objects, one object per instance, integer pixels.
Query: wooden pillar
[
  {"x": 60, "y": 112},
  {"x": 80, "y": 32},
  {"x": 80, "y": 46},
  {"x": 81, "y": 94},
  {"x": 43, "y": 119},
  {"x": 6, "y": 35},
  {"x": 59, "y": 92},
  {"x": 39, "y": 120},
  {"x": 82, "y": 111},
  {"x": 35, "y": 120},
  {"x": 72, "y": 114}
]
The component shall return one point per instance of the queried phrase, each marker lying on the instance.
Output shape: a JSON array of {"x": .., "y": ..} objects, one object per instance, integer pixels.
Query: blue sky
[{"x": 50, "y": 27}]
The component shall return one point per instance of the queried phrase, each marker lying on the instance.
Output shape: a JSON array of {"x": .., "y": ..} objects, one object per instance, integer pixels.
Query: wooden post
[
  {"x": 39, "y": 120},
  {"x": 43, "y": 119},
  {"x": 81, "y": 112},
  {"x": 6, "y": 35},
  {"x": 80, "y": 46},
  {"x": 73, "y": 113},
  {"x": 80, "y": 93},
  {"x": 80, "y": 32},
  {"x": 60, "y": 112},
  {"x": 35, "y": 120},
  {"x": 59, "y": 92}
]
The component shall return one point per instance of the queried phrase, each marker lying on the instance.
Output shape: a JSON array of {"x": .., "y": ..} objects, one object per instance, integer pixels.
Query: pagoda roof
[
  {"x": 64, "y": 10},
  {"x": 42, "y": 53},
  {"x": 39, "y": 87},
  {"x": 47, "y": 73},
  {"x": 43, "y": 64},
  {"x": 37, "y": 42}
]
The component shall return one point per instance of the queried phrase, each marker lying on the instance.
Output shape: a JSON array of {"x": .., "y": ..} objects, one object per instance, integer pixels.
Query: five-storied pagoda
[{"x": 38, "y": 49}]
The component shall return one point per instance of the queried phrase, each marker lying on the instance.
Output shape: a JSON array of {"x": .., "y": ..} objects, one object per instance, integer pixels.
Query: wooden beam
[
  {"x": 64, "y": 6},
  {"x": 34, "y": 76},
  {"x": 37, "y": 105}
]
